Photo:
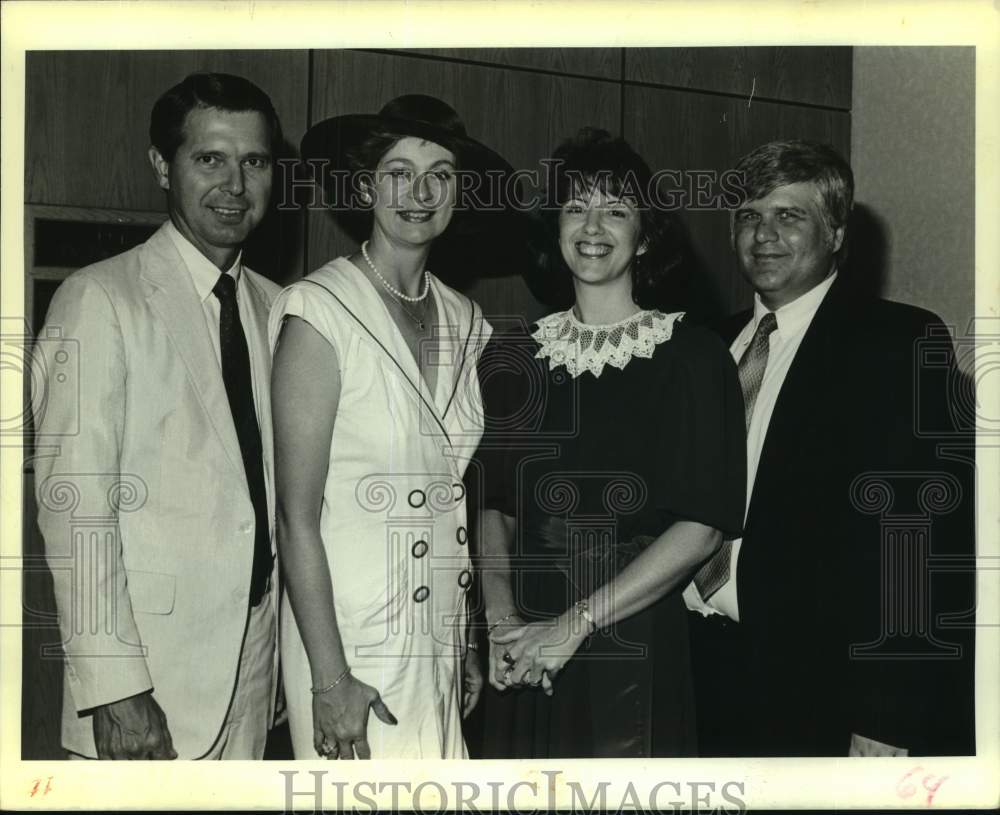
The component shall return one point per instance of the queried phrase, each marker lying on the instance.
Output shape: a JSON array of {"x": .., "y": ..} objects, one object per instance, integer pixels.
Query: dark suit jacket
[{"x": 848, "y": 502}]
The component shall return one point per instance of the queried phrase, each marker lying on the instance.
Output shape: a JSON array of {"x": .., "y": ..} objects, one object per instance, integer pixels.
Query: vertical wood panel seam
[
  {"x": 310, "y": 72},
  {"x": 621, "y": 96}
]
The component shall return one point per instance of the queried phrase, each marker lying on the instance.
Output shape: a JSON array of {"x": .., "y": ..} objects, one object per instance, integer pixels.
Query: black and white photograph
[{"x": 477, "y": 406}]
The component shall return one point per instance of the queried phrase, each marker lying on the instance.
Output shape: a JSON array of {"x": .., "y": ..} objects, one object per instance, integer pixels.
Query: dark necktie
[
  {"x": 239, "y": 389},
  {"x": 715, "y": 573}
]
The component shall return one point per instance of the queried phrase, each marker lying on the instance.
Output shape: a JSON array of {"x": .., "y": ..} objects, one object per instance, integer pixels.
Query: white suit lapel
[{"x": 174, "y": 300}]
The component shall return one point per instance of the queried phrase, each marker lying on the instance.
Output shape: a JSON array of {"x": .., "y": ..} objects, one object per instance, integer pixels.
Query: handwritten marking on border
[
  {"x": 37, "y": 789},
  {"x": 906, "y": 788}
]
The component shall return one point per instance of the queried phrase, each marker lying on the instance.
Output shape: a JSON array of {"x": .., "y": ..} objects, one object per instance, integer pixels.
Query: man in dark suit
[{"x": 820, "y": 632}]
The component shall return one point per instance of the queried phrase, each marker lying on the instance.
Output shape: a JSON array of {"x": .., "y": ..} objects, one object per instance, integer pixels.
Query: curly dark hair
[{"x": 594, "y": 159}]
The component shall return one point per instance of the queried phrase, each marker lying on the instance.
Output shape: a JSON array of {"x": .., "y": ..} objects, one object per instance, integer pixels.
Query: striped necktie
[{"x": 714, "y": 574}]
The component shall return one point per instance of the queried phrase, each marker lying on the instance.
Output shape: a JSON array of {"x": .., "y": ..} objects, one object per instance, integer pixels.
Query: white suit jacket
[{"x": 143, "y": 501}]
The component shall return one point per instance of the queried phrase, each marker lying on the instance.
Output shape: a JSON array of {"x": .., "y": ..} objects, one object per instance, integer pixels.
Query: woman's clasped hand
[{"x": 533, "y": 654}]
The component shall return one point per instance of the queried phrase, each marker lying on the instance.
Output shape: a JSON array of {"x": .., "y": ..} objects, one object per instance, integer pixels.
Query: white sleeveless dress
[{"x": 393, "y": 518}]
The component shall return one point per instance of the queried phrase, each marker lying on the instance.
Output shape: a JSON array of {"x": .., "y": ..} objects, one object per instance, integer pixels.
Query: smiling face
[
  {"x": 783, "y": 243},
  {"x": 219, "y": 181},
  {"x": 413, "y": 197},
  {"x": 599, "y": 236}
]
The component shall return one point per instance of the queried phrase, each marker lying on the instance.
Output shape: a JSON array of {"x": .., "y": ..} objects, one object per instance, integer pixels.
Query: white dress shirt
[
  {"x": 204, "y": 275},
  {"x": 793, "y": 319}
]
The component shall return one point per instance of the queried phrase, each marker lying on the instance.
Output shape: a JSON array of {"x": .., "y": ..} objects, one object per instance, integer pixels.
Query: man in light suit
[
  {"x": 167, "y": 605},
  {"x": 820, "y": 631}
]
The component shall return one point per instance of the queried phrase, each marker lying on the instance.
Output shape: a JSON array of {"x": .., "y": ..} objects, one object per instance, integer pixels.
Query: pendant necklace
[
  {"x": 417, "y": 320},
  {"x": 399, "y": 296}
]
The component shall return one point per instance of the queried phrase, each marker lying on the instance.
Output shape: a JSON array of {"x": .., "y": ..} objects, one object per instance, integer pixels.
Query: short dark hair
[
  {"x": 366, "y": 155},
  {"x": 793, "y": 161},
  {"x": 595, "y": 159},
  {"x": 363, "y": 159},
  {"x": 205, "y": 90}
]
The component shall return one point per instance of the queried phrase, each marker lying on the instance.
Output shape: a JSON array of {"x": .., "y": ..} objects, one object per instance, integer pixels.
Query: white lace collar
[{"x": 580, "y": 347}]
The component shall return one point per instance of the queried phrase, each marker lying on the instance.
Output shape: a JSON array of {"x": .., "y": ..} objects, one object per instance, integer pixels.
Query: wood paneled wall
[
  {"x": 521, "y": 114},
  {"x": 812, "y": 76},
  {"x": 87, "y": 130},
  {"x": 683, "y": 109},
  {"x": 681, "y": 130},
  {"x": 88, "y": 117}
]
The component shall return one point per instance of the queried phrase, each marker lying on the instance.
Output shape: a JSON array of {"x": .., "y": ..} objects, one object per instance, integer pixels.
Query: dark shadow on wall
[
  {"x": 691, "y": 286},
  {"x": 866, "y": 271},
  {"x": 868, "y": 244},
  {"x": 275, "y": 247}
]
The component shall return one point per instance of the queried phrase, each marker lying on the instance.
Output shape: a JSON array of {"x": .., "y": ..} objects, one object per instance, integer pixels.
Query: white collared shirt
[
  {"x": 793, "y": 320},
  {"x": 204, "y": 275}
]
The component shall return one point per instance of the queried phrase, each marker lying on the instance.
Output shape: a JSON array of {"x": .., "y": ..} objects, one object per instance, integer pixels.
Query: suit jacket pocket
[{"x": 151, "y": 592}]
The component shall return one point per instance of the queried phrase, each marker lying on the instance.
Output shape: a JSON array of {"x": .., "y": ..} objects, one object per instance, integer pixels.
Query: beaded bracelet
[
  {"x": 583, "y": 610},
  {"x": 332, "y": 685}
]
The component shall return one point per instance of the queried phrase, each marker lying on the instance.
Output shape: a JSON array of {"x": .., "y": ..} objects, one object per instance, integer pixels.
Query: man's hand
[
  {"x": 280, "y": 705},
  {"x": 132, "y": 729},
  {"x": 863, "y": 747},
  {"x": 472, "y": 682}
]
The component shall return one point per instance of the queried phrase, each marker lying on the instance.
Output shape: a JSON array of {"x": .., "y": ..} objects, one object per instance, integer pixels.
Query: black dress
[{"x": 593, "y": 468}]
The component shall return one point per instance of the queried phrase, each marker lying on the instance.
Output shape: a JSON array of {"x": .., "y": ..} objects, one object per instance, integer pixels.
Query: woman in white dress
[{"x": 376, "y": 413}]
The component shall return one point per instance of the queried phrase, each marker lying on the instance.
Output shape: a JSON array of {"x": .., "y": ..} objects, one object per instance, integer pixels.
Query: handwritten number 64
[{"x": 906, "y": 787}]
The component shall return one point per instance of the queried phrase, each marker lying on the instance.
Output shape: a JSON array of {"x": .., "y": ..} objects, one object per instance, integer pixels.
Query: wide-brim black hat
[
  {"x": 489, "y": 206},
  {"x": 327, "y": 144}
]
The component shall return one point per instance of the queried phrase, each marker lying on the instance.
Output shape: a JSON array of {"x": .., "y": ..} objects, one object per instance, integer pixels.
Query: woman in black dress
[{"x": 614, "y": 465}]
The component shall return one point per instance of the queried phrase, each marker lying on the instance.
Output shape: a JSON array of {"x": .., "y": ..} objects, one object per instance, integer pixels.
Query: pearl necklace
[{"x": 392, "y": 289}]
